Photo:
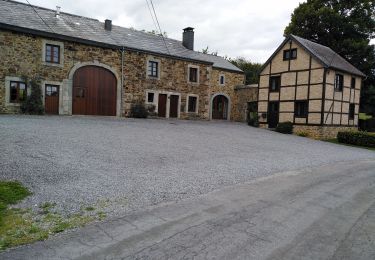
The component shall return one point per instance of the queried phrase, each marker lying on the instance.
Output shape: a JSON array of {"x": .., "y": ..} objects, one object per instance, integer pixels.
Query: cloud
[{"x": 251, "y": 29}]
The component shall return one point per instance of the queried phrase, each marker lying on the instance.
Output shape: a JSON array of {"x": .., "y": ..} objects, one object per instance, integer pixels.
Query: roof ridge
[{"x": 49, "y": 9}]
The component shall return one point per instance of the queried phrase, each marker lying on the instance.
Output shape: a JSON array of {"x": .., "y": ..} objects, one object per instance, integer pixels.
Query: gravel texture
[{"x": 126, "y": 164}]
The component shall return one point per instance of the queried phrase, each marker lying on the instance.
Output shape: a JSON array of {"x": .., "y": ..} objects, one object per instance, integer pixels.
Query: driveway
[{"x": 132, "y": 164}]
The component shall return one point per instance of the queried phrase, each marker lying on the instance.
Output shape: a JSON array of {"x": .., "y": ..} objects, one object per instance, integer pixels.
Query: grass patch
[
  {"x": 335, "y": 141},
  {"x": 89, "y": 208},
  {"x": 23, "y": 226}
]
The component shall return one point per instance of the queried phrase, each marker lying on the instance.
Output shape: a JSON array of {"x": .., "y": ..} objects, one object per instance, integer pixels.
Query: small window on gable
[
  {"x": 275, "y": 83},
  {"x": 52, "y": 54},
  {"x": 290, "y": 54},
  {"x": 153, "y": 69},
  {"x": 192, "y": 104},
  {"x": 18, "y": 92},
  {"x": 339, "y": 82},
  {"x": 150, "y": 97},
  {"x": 351, "y": 111},
  {"x": 353, "y": 83},
  {"x": 222, "y": 80},
  {"x": 301, "y": 108},
  {"x": 193, "y": 74}
]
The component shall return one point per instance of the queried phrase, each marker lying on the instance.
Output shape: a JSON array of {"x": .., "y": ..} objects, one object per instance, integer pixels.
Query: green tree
[
  {"x": 348, "y": 28},
  {"x": 251, "y": 69},
  {"x": 33, "y": 104}
]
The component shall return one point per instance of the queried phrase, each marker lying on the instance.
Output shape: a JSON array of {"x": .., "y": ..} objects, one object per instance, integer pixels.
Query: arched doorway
[
  {"x": 94, "y": 91},
  {"x": 220, "y": 107}
]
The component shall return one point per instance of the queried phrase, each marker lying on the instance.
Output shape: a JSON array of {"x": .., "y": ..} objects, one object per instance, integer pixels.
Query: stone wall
[
  {"x": 322, "y": 132},
  {"x": 243, "y": 95},
  {"x": 22, "y": 55}
]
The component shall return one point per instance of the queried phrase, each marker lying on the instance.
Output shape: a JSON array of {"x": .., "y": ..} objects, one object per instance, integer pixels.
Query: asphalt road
[{"x": 325, "y": 212}]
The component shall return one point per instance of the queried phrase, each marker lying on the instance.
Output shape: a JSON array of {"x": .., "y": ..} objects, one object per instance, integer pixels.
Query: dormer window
[{"x": 290, "y": 54}]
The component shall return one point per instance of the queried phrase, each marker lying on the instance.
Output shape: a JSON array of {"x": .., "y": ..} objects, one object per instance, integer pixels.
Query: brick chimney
[{"x": 188, "y": 38}]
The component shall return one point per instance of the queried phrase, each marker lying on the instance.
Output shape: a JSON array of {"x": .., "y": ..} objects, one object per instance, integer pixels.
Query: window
[
  {"x": 351, "y": 111},
  {"x": 52, "y": 53},
  {"x": 339, "y": 82},
  {"x": 353, "y": 83},
  {"x": 193, "y": 74},
  {"x": 52, "y": 90},
  {"x": 275, "y": 83},
  {"x": 150, "y": 97},
  {"x": 222, "y": 80},
  {"x": 153, "y": 69},
  {"x": 301, "y": 109},
  {"x": 192, "y": 104},
  {"x": 18, "y": 92},
  {"x": 290, "y": 54}
]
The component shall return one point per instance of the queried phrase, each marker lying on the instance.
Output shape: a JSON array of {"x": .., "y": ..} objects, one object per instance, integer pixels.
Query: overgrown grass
[
  {"x": 335, "y": 141},
  {"x": 23, "y": 226}
]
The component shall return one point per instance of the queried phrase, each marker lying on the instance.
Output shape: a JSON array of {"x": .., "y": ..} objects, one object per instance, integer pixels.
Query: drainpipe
[{"x": 122, "y": 78}]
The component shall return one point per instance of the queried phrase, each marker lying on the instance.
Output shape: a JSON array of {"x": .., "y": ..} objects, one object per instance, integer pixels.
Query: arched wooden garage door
[{"x": 94, "y": 92}]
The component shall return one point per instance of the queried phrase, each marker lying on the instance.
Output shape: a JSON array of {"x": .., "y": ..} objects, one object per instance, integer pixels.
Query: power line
[
  {"x": 152, "y": 16},
  {"x": 156, "y": 17},
  {"x": 39, "y": 16}
]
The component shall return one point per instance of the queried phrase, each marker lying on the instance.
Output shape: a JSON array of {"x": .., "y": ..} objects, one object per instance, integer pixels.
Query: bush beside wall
[
  {"x": 285, "y": 128},
  {"x": 357, "y": 138}
]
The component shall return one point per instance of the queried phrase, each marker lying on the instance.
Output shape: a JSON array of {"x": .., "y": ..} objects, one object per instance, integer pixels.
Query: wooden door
[
  {"x": 162, "y": 105},
  {"x": 220, "y": 108},
  {"x": 173, "y": 107},
  {"x": 51, "y": 100},
  {"x": 94, "y": 92},
  {"x": 273, "y": 114}
]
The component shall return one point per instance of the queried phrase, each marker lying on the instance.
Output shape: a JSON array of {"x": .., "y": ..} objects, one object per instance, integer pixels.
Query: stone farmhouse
[
  {"x": 310, "y": 85},
  {"x": 87, "y": 67}
]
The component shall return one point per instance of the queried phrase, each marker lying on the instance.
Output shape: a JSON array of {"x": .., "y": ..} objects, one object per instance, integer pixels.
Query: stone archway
[{"x": 220, "y": 107}]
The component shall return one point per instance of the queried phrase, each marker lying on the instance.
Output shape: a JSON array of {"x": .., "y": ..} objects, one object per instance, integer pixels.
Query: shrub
[
  {"x": 302, "y": 134},
  {"x": 33, "y": 104},
  {"x": 253, "y": 119},
  {"x": 139, "y": 110},
  {"x": 357, "y": 138},
  {"x": 285, "y": 128}
]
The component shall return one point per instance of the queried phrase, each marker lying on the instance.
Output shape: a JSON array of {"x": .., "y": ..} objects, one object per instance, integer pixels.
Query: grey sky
[{"x": 248, "y": 28}]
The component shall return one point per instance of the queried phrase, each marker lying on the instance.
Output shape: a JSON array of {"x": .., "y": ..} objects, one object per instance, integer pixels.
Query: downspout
[{"x": 122, "y": 79}]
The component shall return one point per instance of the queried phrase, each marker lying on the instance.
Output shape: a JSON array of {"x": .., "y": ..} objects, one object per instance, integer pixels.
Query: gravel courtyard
[{"x": 126, "y": 164}]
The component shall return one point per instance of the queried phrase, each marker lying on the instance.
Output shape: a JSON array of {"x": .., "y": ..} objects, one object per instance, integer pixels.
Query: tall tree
[
  {"x": 251, "y": 69},
  {"x": 346, "y": 26}
]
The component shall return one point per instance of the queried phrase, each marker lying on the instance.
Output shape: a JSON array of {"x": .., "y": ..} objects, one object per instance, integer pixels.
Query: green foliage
[
  {"x": 345, "y": 26},
  {"x": 303, "y": 134},
  {"x": 207, "y": 51},
  {"x": 285, "y": 127},
  {"x": 357, "y": 138},
  {"x": 251, "y": 69},
  {"x": 253, "y": 119},
  {"x": 12, "y": 192},
  {"x": 33, "y": 104},
  {"x": 139, "y": 110}
]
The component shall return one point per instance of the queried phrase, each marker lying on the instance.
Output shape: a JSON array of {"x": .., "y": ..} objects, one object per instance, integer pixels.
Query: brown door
[
  {"x": 273, "y": 114},
  {"x": 162, "y": 105},
  {"x": 220, "y": 108},
  {"x": 173, "y": 107},
  {"x": 94, "y": 92},
  {"x": 51, "y": 100}
]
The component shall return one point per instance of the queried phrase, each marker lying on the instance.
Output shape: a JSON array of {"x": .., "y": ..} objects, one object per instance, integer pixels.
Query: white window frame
[
  {"x": 221, "y": 84},
  {"x": 188, "y": 74},
  {"x": 61, "y": 45},
  {"x": 7, "y": 90},
  {"x": 187, "y": 103},
  {"x": 159, "y": 68}
]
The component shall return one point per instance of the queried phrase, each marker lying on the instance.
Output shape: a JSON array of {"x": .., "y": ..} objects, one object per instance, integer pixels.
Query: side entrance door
[
  {"x": 173, "y": 108},
  {"x": 162, "y": 105},
  {"x": 273, "y": 114},
  {"x": 51, "y": 100}
]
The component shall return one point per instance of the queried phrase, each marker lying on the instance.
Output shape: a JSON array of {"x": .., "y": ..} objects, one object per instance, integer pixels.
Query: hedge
[
  {"x": 357, "y": 138},
  {"x": 285, "y": 127}
]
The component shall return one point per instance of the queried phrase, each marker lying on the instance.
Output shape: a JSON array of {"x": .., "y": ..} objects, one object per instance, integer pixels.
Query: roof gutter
[{"x": 90, "y": 42}]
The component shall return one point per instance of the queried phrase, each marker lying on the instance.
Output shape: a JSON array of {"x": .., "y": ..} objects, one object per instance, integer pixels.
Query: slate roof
[
  {"x": 21, "y": 17},
  {"x": 324, "y": 54}
]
